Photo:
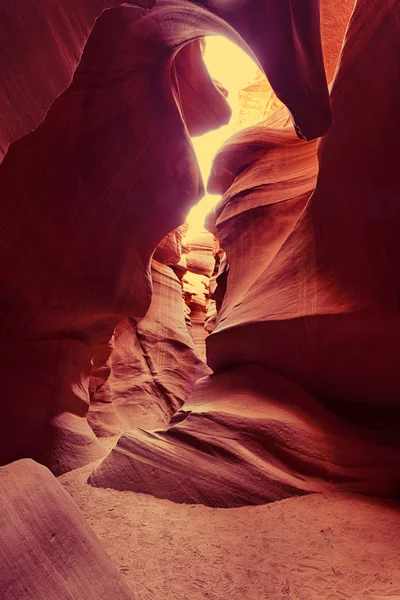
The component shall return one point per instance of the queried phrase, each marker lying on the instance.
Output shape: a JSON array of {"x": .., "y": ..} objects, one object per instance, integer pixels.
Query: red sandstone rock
[
  {"x": 249, "y": 436},
  {"x": 169, "y": 250},
  {"x": 153, "y": 364},
  {"x": 47, "y": 549},
  {"x": 129, "y": 387},
  {"x": 256, "y": 102},
  {"x": 196, "y": 292},
  {"x": 200, "y": 263},
  {"x": 57, "y": 32},
  {"x": 334, "y": 21},
  {"x": 305, "y": 395},
  {"x": 200, "y": 259},
  {"x": 292, "y": 31},
  {"x": 165, "y": 342},
  {"x": 211, "y": 316},
  {"x": 99, "y": 155}
]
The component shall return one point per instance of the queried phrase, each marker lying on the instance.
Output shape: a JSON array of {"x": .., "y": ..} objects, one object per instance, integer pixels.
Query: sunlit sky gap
[{"x": 234, "y": 69}]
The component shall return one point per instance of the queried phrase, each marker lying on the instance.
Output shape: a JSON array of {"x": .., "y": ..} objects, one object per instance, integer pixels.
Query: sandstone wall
[
  {"x": 200, "y": 264},
  {"x": 305, "y": 391},
  {"x": 152, "y": 367},
  {"x": 97, "y": 168}
]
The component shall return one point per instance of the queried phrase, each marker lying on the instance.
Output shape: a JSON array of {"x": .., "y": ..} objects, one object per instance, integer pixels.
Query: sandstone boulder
[{"x": 47, "y": 549}]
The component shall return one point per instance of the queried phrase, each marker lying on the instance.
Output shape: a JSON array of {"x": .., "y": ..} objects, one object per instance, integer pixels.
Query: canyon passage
[{"x": 200, "y": 285}]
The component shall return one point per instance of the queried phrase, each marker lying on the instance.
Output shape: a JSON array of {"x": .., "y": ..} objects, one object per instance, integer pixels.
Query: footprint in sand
[
  {"x": 144, "y": 595},
  {"x": 198, "y": 585},
  {"x": 138, "y": 563}
]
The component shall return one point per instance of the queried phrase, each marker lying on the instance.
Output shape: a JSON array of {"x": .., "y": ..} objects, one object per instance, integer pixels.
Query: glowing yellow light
[{"x": 234, "y": 69}]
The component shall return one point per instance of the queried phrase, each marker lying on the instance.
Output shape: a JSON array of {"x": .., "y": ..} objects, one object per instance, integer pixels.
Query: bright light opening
[{"x": 235, "y": 70}]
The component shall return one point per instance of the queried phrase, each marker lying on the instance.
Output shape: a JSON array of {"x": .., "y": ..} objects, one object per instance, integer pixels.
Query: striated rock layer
[
  {"x": 153, "y": 364},
  {"x": 135, "y": 383},
  {"x": 305, "y": 392},
  {"x": 200, "y": 263},
  {"x": 98, "y": 167},
  {"x": 47, "y": 549}
]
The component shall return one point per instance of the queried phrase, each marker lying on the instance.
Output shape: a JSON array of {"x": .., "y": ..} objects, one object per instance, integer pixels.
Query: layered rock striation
[
  {"x": 153, "y": 364},
  {"x": 305, "y": 391},
  {"x": 96, "y": 152},
  {"x": 47, "y": 548},
  {"x": 200, "y": 263}
]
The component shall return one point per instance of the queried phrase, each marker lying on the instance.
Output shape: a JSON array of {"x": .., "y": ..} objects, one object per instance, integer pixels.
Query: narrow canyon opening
[
  {"x": 200, "y": 389},
  {"x": 247, "y": 90}
]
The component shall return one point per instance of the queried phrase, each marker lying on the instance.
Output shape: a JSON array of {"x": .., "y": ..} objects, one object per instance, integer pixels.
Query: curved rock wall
[
  {"x": 75, "y": 262},
  {"x": 305, "y": 391},
  {"x": 200, "y": 263},
  {"x": 152, "y": 365},
  {"x": 96, "y": 153}
]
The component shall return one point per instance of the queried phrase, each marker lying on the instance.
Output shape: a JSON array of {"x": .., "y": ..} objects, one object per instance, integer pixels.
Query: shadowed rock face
[
  {"x": 305, "y": 392},
  {"x": 97, "y": 168}
]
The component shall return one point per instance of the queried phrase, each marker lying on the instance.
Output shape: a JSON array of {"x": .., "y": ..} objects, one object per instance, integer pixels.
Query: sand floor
[{"x": 333, "y": 547}]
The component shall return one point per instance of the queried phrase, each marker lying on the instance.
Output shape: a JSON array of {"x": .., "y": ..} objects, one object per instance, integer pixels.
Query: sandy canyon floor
[{"x": 333, "y": 547}]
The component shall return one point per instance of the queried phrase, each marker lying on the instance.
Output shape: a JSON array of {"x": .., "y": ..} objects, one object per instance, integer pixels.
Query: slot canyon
[{"x": 200, "y": 300}]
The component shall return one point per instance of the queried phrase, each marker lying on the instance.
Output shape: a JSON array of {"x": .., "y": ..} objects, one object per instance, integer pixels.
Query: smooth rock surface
[
  {"x": 47, "y": 549},
  {"x": 249, "y": 436},
  {"x": 98, "y": 168},
  {"x": 305, "y": 352}
]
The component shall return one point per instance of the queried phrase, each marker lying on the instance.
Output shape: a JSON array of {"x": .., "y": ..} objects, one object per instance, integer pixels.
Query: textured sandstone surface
[
  {"x": 300, "y": 296},
  {"x": 195, "y": 292},
  {"x": 249, "y": 436},
  {"x": 169, "y": 250},
  {"x": 200, "y": 265},
  {"x": 88, "y": 191},
  {"x": 200, "y": 259},
  {"x": 257, "y": 102},
  {"x": 47, "y": 549},
  {"x": 153, "y": 365},
  {"x": 305, "y": 391}
]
